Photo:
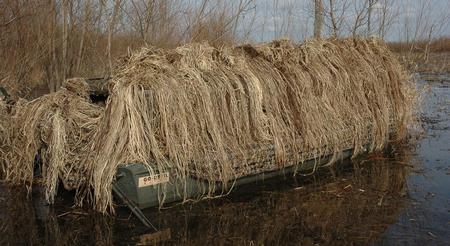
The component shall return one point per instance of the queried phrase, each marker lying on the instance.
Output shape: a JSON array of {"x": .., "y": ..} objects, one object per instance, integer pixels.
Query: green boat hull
[{"x": 139, "y": 189}]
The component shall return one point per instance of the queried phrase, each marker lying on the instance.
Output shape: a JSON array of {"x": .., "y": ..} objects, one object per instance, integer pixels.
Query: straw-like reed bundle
[
  {"x": 4, "y": 134},
  {"x": 58, "y": 127},
  {"x": 217, "y": 114},
  {"x": 3, "y": 120},
  {"x": 203, "y": 111}
]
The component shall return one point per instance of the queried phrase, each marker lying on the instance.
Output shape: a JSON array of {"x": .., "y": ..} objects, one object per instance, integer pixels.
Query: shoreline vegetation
[
  {"x": 413, "y": 56},
  {"x": 427, "y": 57},
  {"x": 43, "y": 42}
]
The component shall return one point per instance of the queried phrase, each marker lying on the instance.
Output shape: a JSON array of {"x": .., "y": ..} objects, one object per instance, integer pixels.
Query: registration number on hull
[{"x": 153, "y": 179}]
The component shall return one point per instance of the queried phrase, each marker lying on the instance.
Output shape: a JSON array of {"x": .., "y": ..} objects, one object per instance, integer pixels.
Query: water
[
  {"x": 427, "y": 218},
  {"x": 401, "y": 197}
]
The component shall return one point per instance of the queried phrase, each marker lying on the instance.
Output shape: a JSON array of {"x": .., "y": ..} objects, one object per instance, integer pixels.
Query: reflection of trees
[
  {"x": 26, "y": 222},
  {"x": 17, "y": 220},
  {"x": 353, "y": 207}
]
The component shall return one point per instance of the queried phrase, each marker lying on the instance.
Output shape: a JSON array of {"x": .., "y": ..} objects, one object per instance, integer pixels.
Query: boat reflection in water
[{"x": 352, "y": 204}]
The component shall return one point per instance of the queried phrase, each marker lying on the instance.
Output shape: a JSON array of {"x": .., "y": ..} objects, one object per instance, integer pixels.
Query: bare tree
[
  {"x": 369, "y": 16},
  {"x": 333, "y": 18},
  {"x": 361, "y": 10},
  {"x": 318, "y": 18},
  {"x": 65, "y": 37},
  {"x": 87, "y": 15},
  {"x": 387, "y": 15},
  {"x": 111, "y": 25},
  {"x": 336, "y": 13},
  {"x": 44, "y": 41}
]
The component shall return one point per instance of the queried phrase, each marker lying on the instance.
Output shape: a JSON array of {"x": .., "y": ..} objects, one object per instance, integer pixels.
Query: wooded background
[{"x": 43, "y": 42}]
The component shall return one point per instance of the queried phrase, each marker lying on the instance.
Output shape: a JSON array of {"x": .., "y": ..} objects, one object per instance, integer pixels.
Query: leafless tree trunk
[
  {"x": 87, "y": 13},
  {"x": 333, "y": 19},
  {"x": 382, "y": 26},
  {"x": 53, "y": 73},
  {"x": 427, "y": 46},
  {"x": 111, "y": 25},
  {"x": 318, "y": 18},
  {"x": 360, "y": 18},
  {"x": 337, "y": 13},
  {"x": 369, "y": 16},
  {"x": 65, "y": 36}
]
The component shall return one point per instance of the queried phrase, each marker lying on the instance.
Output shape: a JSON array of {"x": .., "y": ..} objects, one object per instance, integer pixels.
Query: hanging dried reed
[
  {"x": 210, "y": 113},
  {"x": 58, "y": 127},
  {"x": 203, "y": 111}
]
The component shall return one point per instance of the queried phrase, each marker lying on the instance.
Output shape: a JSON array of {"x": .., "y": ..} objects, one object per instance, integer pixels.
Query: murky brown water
[{"x": 400, "y": 198}]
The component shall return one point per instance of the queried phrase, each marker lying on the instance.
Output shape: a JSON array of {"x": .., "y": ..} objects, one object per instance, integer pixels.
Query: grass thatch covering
[
  {"x": 4, "y": 133},
  {"x": 212, "y": 112},
  {"x": 59, "y": 128}
]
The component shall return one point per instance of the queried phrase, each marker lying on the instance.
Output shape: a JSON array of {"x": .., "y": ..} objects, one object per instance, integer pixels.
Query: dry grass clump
[
  {"x": 58, "y": 127},
  {"x": 4, "y": 134},
  {"x": 206, "y": 112},
  {"x": 3, "y": 119}
]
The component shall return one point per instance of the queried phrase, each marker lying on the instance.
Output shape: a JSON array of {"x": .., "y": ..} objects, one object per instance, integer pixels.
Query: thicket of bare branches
[{"x": 43, "y": 42}]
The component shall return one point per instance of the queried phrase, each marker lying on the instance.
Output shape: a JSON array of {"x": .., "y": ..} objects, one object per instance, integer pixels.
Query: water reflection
[
  {"x": 29, "y": 221},
  {"x": 350, "y": 205},
  {"x": 17, "y": 217},
  {"x": 350, "y": 208}
]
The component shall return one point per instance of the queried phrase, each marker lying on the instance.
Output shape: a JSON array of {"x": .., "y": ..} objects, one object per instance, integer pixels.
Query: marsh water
[{"x": 401, "y": 197}]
